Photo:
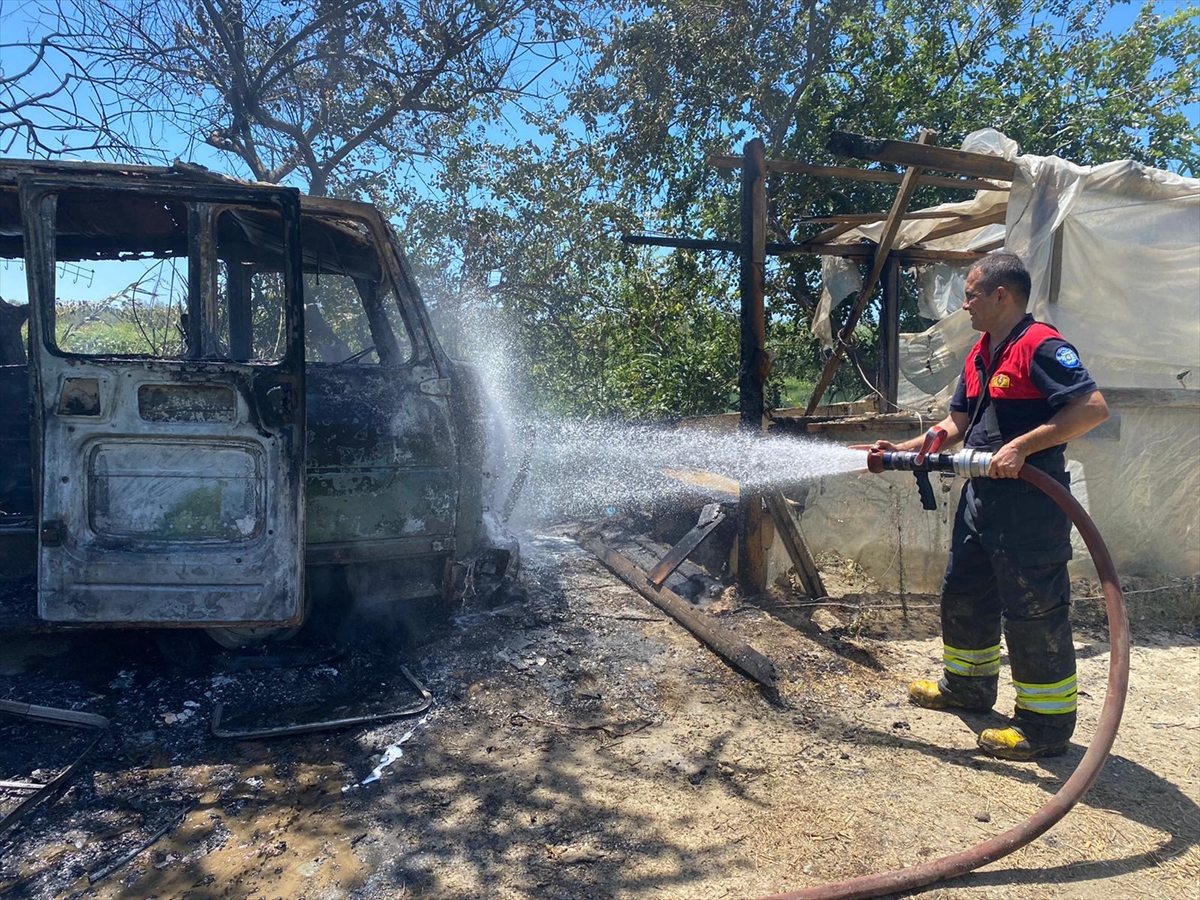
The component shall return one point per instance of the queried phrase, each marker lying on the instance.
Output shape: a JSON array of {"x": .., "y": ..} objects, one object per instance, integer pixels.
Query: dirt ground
[{"x": 581, "y": 744}]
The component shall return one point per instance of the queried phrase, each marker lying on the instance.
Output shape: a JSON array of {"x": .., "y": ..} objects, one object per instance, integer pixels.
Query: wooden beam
[
  {"x": 890, "y": 228},
  {"x": 710, "y": 517},
  {"x": 990, "y": 245},
  {"x": 853, "y": 174},
  {"x": 752, "y": 374},
  {"x": 996, "y": 217},
  {"x": 848, "y": 251},
  {"x": 725, "y": 644},
  {"x": 654, "y": 240},
  {"x": 870, "y": 218},
  {"x": 793, "y": 540},
  {"x": 830, "y": 233},
  {"x": 867, "y": 251},
  {"x": 889, "y": 336},
  {"x": 907, "y": 153}
]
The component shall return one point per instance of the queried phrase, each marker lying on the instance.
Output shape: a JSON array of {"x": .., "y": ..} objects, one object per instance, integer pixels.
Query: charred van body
[{"x": 213, "y": 392}]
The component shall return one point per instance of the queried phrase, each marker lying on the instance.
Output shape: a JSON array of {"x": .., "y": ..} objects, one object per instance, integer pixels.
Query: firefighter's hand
[
  {"x": 878, "y": 445},
  {"x": 1007, "y": 462}
]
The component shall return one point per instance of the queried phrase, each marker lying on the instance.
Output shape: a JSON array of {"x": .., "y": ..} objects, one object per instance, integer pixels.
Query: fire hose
[{"x": 974, "y": 464}]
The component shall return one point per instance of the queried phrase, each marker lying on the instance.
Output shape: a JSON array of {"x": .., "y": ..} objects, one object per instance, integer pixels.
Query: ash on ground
[{"x": 581, "y": 744}]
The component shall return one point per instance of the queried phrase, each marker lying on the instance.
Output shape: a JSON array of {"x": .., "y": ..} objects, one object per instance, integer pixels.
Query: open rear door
[{"x": 168, "y": 359}]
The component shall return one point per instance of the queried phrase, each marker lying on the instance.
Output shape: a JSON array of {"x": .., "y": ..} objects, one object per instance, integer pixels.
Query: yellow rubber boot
[
  {"x": 929, "y": 695},
  {"x": 1011, "y": 743}
]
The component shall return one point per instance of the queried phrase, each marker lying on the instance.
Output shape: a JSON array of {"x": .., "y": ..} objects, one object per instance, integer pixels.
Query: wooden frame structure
[{"x": 966, "y": 171}]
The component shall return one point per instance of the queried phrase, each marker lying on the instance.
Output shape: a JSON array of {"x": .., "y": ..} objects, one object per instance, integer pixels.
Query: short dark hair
[{"x": 1003, "y": 269}]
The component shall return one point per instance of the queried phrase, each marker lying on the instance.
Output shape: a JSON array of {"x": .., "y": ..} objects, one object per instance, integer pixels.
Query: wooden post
[
  {"x": 752, "y": 562},
  {"x": 889, "y": 335},
  {"x": 891, "y": 226},
  {"x": 753, "y": 248}
]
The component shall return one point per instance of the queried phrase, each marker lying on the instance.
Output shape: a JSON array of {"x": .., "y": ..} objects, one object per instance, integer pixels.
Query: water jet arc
[{"x": 975, "y": 463}]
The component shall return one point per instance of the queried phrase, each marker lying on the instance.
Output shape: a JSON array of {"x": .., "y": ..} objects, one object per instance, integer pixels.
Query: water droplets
[{"x": 586, "y": 468}]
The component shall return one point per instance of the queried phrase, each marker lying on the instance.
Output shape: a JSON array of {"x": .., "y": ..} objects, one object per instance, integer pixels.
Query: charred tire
[{"x": 241, "y": 638}]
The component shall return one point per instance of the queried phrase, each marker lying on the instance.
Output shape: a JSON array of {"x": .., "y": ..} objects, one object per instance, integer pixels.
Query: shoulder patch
[{"x": 1067, "y": 358}]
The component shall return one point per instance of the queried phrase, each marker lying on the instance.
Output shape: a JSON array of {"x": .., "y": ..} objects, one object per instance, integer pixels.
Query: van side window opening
[
  {"x": 251, "y": 290},
  {"x": 120, "y": 275},
  {"x": 142, "y": 276},
  {"x": 351, "y": 312},
  {"x": 14, "y": 316}
]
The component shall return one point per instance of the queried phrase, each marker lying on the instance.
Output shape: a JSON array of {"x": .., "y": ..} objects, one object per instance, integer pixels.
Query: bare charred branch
[{"x": 320, "y": 91}]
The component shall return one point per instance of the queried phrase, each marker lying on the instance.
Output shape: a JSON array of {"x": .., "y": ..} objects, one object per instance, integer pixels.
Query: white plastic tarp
[
  {"x": 1127, "y": 292},
  {"x": 1114, "y": 255}
]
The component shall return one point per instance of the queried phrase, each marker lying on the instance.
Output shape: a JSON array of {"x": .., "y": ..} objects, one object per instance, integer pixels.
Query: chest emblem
[{"x": 1001, "y": 381}]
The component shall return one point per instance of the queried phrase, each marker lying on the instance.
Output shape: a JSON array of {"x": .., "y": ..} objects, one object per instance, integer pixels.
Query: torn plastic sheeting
[
  {"x": 840, "y": 280},
  {"x": 932, "y": 360}
]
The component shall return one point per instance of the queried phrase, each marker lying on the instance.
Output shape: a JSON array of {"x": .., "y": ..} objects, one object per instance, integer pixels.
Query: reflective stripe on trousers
[
  {"x": 971, "y": 663},
  {"x": 1048, "y": 699}
]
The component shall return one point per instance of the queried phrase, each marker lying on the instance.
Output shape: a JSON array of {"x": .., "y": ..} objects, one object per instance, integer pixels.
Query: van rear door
[{"x": 168, "y": 358}]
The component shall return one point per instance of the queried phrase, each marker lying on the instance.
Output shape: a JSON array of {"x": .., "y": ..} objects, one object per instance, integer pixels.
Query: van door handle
[
  {"x": 435, "y": 387},
  {"x": 52, "y": 533},
  {"x": 279, "y": 402}
]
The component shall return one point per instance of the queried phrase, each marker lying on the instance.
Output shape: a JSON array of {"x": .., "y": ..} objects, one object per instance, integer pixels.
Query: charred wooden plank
[
  {"x": 755, "y": 362},
  {"x": 819, "y": 247},
  {"x": 797, "y": 546},
  {"x": 734, "y": 651},
  {"x": 852, "y": 174},
  {"x": 995, "y": 217},
  {"x": 870, "y": 218},
  {"x": 710, "y": 517}
]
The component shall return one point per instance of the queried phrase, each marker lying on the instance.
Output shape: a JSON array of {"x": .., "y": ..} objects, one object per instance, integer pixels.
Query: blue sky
[{"x": 19, "y": 18}]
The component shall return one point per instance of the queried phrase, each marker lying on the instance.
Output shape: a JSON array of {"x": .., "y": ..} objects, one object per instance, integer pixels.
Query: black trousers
[{"x": 1008, "y": 568}]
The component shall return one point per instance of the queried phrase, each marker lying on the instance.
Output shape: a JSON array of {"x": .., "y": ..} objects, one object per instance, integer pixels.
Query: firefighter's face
[{"x": 982, "y": 305}]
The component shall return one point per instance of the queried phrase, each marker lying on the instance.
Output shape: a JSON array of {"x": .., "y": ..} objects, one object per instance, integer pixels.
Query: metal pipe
[
  {"x": 1089, "y": 767},
  {"x": 51, "y": 788}
]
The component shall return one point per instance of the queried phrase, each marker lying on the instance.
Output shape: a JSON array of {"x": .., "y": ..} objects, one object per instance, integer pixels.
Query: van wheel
[{"x": 241, "y": 638}]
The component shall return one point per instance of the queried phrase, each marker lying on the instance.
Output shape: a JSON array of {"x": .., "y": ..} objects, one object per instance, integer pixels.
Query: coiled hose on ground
[{"x": 1081, "y": 779}]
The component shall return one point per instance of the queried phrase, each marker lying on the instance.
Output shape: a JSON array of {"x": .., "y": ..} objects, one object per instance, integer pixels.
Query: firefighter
[{"x": 1023, "y": 394}]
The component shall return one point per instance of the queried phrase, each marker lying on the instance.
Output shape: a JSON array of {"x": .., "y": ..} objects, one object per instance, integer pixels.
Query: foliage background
[{"x": 515, "y": 141}]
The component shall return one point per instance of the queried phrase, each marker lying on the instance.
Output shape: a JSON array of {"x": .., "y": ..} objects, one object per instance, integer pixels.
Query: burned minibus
[{"x": 220, "y": 400}]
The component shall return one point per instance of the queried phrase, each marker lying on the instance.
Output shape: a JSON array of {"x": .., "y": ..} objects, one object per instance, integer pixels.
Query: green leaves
[
  {"x": 672, "y": 82},
  {"x": 516, "y": 140}
]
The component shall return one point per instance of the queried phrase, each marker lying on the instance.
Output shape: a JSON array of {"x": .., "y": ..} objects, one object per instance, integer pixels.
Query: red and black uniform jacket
[{"x": 1034, "y": 374}]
